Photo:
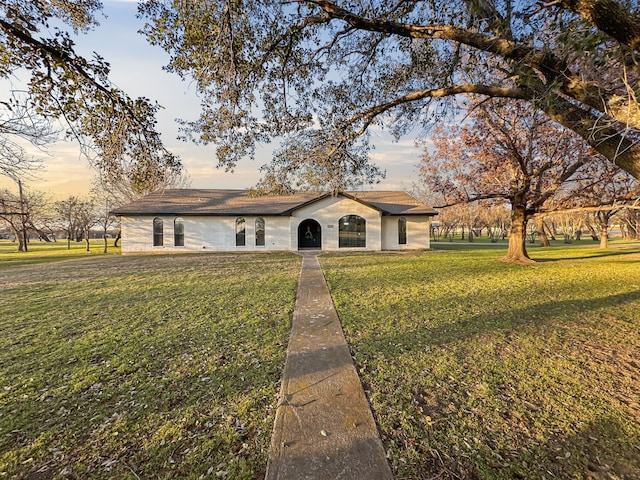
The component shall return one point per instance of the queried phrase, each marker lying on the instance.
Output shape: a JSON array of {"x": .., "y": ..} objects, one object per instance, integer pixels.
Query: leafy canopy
[
  {"x": 116, "y": 133},
  {"x": 270, "y": 70}
]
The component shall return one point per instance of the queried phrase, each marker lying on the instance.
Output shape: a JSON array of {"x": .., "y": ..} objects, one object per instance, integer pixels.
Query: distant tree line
[
  {"x": 31, "y": 214},
  {"x": 467, "y": 222}
]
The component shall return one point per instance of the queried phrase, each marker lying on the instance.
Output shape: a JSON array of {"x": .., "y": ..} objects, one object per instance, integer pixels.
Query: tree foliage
[
  {"x": 116, "y": 133},
  {"x": 302, "y": 164},
  {"x": 24, "y": 213},
  {"x": 20, "y": 125},
  {"x": 273, "y": 69},
  {"x": 511, "y": 153},
  {"x": 75, "y": 217}
]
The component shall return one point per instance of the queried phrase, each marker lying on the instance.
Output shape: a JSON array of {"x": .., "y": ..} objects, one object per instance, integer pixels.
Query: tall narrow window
[
  {"x": 178, "y": 232},
  {"x": 240, "y": 232},
  {"x": 402, "y": 231},
  {"x": 259, "y": 232},
  {"x": 157, "y": 232},
  {"x": 352, "y": 231}
]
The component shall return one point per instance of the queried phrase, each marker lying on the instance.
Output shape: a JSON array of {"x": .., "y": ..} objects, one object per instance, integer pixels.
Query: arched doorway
[{"x": 309, "y": 235}]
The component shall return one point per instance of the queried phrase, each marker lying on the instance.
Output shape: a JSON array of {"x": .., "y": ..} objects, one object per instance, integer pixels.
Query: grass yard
[
  {"x": 46, "y": 252},
  {"x": 481, "y": 369},
  {"x": 141, "y": 367},
  {"x": 149, "y": 367}
]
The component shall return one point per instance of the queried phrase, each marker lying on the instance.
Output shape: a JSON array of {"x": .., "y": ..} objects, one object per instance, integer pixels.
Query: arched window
[
  {"x": 178, "y": 232},
  {"x": 157, "y": 232},
  {"x": 352, "y": 231},
  {"x": 402, "y": 231},
  {"x": 259, "y": 232},
  {"x": 240, "y": 232}
]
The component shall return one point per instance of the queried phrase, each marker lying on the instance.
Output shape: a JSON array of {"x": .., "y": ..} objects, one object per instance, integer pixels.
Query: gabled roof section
[
  {"x": 393, "y": 203},
  {"x": 240, "y": 202}
]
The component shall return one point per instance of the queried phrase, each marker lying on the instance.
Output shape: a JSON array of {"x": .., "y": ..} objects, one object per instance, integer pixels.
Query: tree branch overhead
[{"x": 344, "y": 67}]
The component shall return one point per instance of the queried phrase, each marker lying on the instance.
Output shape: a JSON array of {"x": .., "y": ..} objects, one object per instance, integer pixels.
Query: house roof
[{"x": 241, "y": 202}]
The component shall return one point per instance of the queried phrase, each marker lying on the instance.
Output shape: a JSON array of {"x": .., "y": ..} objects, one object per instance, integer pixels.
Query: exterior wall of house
[
  {"x": 203, "y": 234},
  {"x": 418, "y": 232},
  {"x": 218, "y": 233},
  {"x": 327, "y": 212}
]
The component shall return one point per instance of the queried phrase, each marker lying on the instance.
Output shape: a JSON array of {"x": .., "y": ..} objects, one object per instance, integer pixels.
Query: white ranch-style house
[{"x": 234, "y": 220}]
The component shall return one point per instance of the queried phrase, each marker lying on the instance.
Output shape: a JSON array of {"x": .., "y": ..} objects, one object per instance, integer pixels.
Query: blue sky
[{"x": 136, "y": 67}]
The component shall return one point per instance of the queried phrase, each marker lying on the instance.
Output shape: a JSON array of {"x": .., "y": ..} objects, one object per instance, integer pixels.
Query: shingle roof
[
  {"x": 240, "y": 202},
  {"x": 393, "y": 203}
]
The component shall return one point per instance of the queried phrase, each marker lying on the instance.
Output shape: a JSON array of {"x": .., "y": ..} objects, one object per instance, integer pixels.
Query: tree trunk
[
  {"x": 41, "y": 233},
  {"x": 23, "y": 221},
  {"x": 18, "y": 234},
  {"x": 68, "y": 242},
  {"x": 104, "y": 238},
  {"x": 542, "y": 235},
  {"x": 115, "y": 243},
  {"x": 517, "y": 252},
  {"x": 604, "y": 236},
  {"x": 631, "y": 228},
  {"x": 24, "y": 238},
  {"x": 608, "y": 16}
]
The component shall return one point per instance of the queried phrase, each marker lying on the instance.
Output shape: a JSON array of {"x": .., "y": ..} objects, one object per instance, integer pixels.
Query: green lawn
[
  {"x": 141, "y": 367},
  {"x": 45, "y": 252},
  {"x": 480, "y": 369}
]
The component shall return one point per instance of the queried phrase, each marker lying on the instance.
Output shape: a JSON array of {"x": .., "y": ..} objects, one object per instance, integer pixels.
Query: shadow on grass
[
  {"x": 503, "y": 321},
  {"x": 603, "y": 448},
  {"x": 593, "y": 452},
  {"x": 600, "y": 254}
]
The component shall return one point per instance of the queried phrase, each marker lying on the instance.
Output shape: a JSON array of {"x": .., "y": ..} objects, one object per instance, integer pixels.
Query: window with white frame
[
  {"x": 157, "y": 232},
  {"x": 352, "y": 231},
  {"x": 402, "y": 231},
  {"x": 240, "y": 232},
  {"x": 260, "y": 232},
  {"x": 178, "y": 232}
]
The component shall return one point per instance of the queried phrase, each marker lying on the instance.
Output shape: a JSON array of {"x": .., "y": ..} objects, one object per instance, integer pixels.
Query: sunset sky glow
[{"x": 136, "y": 67}]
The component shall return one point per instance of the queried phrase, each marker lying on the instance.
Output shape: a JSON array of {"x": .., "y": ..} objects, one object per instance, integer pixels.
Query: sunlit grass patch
[
  {"x": 482, "y": 369},
  {"x": 45, "y": 252},
  {"x": 142, "y": 367}
]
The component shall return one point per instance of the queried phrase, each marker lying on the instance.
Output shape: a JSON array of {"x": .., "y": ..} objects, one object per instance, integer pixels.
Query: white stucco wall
[
  {"x": 218, "y": 233},
  {"x": 418, "y": 231},
  {"x": 204, "y": 234},
  {"x": 327, "y": 212}
]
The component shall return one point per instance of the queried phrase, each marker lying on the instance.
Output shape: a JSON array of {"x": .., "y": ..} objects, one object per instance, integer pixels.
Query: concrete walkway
[{"x": 324, "y": 428}]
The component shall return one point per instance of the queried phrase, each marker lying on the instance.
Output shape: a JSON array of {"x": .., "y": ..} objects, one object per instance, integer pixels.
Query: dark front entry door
[{"x": 309, "y": 235}]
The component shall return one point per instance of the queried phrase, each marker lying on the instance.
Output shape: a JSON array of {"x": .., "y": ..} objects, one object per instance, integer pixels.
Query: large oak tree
[
  {"x": 273, "y": 69},
  {"x": 511, "y": 154}
]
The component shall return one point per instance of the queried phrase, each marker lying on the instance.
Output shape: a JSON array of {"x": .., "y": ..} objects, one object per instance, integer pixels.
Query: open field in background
[
  {"x": 141, "y": 367},
  {"x": 480, "y": 369},
  {"x": 458, "y": 243},
  {"x": 46, "y": 252}
]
